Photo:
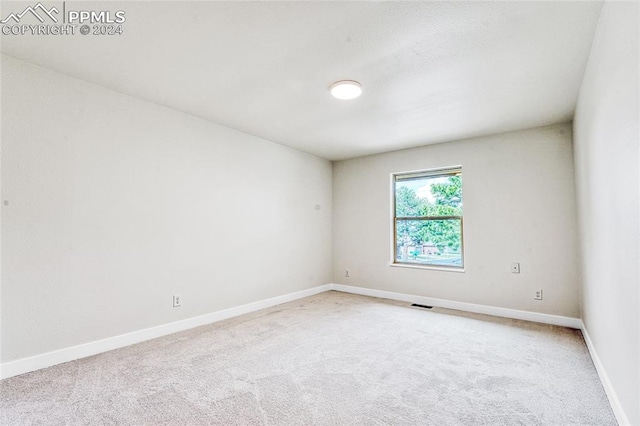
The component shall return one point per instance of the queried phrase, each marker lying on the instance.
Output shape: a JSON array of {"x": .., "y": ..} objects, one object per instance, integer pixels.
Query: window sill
[{"x": 433, "y": 268}]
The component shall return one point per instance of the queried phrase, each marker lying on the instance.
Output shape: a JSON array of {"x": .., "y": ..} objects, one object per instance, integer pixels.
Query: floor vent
[{"x": 422, "y": 306}]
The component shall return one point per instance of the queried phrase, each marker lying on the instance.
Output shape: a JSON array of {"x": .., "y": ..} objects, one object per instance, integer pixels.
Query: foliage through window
[{"x": 428, "y": 218}]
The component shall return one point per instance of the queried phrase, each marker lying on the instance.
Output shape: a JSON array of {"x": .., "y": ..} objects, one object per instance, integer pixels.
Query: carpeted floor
[{"x": 331, "y": 359}]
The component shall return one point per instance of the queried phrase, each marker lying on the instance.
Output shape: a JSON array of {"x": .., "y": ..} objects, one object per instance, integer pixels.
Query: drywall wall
[
  {"x": 607, "y": 177},
  {"x": 116, "y": 204},
  {"x": 519, "y": 205}
]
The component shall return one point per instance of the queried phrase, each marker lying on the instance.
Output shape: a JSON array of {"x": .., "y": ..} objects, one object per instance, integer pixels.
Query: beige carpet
[{"x": 331, "y": 359}]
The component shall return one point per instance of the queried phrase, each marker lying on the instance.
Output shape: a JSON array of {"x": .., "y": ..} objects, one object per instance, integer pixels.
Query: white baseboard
[
  {"x": 462, "y": 306},
  {"x": 616, "y": 406},
  {"x": 49, "y": 359}
]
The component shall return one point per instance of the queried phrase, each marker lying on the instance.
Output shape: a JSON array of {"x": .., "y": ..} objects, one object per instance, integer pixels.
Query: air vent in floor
[{"x": 422, "y": 306}]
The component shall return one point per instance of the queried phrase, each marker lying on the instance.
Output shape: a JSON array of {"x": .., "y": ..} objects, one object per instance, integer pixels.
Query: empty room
[{"x": 320, "y": 213}]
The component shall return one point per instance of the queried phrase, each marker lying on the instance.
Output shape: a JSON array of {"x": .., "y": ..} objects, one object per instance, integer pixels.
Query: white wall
[
  {"x": 116, "y": 203},
  {"x": 519, "y": 205},
  {"x": 607, "y": 162}
]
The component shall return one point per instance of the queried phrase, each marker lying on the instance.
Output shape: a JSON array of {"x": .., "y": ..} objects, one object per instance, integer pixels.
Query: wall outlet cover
[{"x": 177, "y": 300}]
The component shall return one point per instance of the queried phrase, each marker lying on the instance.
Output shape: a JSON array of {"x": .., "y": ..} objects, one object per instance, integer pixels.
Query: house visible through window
[{"x": 427, "y": 218}]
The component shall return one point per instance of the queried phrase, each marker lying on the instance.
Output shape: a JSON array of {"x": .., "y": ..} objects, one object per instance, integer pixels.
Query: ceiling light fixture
[{"x": 346, "y": 89}]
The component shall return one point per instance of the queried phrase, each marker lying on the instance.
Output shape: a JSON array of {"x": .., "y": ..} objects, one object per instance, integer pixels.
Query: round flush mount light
[{"x": 346, "y": 89}]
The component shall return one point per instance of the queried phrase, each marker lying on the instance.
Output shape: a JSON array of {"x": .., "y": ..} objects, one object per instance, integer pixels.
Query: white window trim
[{"x": 392, "y": 204}]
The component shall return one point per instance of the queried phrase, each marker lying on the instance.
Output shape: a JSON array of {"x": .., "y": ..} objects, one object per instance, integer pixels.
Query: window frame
[{"x": 435, "y": 172}]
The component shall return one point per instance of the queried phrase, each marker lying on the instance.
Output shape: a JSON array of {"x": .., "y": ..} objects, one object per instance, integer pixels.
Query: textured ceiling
[{"x": 431, "y": 71}]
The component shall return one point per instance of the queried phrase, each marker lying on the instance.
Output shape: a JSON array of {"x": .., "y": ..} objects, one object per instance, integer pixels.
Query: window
[{"x": 427, "y": 218}]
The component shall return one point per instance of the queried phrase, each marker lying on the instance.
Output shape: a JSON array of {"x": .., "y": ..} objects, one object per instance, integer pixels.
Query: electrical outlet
[
  {"x": 515, "y": 268},
  {"x": 177, "y": 300},
  {"x": 538, "y": 295},
  {"x": 346, "y": 273}
]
